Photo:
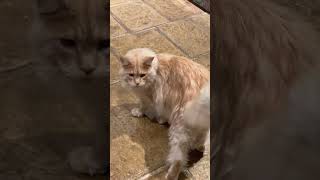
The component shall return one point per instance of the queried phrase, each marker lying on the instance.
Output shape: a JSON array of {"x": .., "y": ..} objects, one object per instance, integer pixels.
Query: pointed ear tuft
[{"x": 148, "y": 61}]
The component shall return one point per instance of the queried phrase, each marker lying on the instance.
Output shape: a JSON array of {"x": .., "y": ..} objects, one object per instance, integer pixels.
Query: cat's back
[{"x": 181, "y": 66}]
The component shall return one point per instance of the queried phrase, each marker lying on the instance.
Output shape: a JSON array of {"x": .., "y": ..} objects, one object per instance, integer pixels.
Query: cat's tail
[{"x": 197, "y": 111}]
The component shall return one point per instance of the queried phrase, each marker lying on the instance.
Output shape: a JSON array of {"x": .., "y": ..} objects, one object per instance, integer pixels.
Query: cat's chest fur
[{"x": 154, "y": 102}]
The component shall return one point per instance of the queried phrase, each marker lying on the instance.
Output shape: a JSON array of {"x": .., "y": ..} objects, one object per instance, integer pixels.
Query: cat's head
[
  {"x": 138, "y": 67},
  {"x": 72, "y": 35}
]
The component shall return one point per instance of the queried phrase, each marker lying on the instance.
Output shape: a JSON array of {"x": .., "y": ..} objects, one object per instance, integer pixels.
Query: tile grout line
[
  {"x": 157, "y": 28},
  {"x": 120, "y": 22},
  {"x": 117, "y": 19},
  {"x": 202, "y": 54},
  {"x": 174, "y": 43},
  {"x": 165, "y": 23},
  {"x": 149, "y": 5},
  {"x": 128, "y": 30},
  {"x": 177, "y": 19}
]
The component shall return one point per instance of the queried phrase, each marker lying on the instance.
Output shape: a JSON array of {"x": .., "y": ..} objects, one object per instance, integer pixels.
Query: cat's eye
[
  {"x": 104, "y": 44},
  {"x": 131, "y": 75},
  {"x": 68, "y": 42},
  {"x": 142, "y": 75}
]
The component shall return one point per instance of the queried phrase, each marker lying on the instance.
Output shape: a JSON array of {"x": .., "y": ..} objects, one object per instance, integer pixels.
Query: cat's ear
[
  {"x": 147, "y": 61},
  {"x": 47, "y": 7},
  {"x": 124, "y": 61}
]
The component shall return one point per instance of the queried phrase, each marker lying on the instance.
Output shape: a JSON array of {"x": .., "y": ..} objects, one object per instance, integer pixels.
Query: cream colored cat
[{"x": 165, "y": 84}]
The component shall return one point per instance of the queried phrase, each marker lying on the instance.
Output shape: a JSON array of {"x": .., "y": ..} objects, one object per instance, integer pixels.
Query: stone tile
[
  {"x": 204, "y": 59},
  {"x": 115, "y": 28},
  {"x": 192, "y": 34},
  {"x": 150, "y": 39},
  {"x": 137, "y": 144},
  {"x": 120, "y": 96},
  {"x": 114, "y": 68},
  {"x": 113, "y": 2},
  {"x": 137, "y": 16},
  {"x": 173, "y": 10}
]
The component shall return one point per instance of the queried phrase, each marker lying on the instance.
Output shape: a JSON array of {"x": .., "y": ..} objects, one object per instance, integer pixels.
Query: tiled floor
[{"x": 139, "y": 146}]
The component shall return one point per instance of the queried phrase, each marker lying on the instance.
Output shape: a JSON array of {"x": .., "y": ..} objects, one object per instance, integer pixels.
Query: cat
[
  {"x": 71, "y": 44},
  {"x": 165, "y": 84},
  {"x": 197, "y": 112}
]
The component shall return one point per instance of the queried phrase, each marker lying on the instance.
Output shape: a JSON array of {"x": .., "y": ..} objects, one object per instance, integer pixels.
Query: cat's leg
[
  {"x": 202, "y": 141},
  {"x": 179, "y": 142},
  {"x": 178, "y": 154},
  {"x": 149, "y": 112},
  {"x": 143, "y": 109}
]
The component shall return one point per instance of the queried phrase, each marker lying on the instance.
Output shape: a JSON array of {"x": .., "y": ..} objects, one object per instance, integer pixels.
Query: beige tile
[
  {"x": 114, "y": 68},
  {"x": 173, "y": 10},
  {"x": 203, "y": 59},
  {"x": 113, "y": 2},
  {"x": 137, "y": 15},
  {"x": 120, "y": 96},
  {"x": 137, "y": 145},
  {"x": 192, "y": 34},
  {"x": 115, "y": 28},
  {"x": 149, "y": 39}
]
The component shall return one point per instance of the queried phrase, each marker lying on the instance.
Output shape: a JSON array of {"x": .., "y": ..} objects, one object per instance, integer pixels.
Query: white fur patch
[
  {"x": 197, "y": 112},
  {"x": 136, "y": 112}
]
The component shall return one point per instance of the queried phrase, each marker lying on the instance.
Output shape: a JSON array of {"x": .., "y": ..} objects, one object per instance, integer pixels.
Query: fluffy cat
[{"x": 165, "y": 84}]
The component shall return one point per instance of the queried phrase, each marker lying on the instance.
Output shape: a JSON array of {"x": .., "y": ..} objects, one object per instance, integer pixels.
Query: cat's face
[
  {"x": 76, "y": 40},
  {"x": 138, "y": 68}
]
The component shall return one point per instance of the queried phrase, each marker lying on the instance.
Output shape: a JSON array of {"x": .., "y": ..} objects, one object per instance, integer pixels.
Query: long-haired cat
[{"x": 165, "y": 84}]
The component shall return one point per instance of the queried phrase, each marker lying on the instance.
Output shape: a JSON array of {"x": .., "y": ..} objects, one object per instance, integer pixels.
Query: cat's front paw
[
  {"x": 136, "y": 112},
  {"x": 82, "y": 161}
]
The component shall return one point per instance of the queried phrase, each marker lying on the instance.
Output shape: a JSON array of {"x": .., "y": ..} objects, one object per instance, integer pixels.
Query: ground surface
[{"x": 138, "y": 146}]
